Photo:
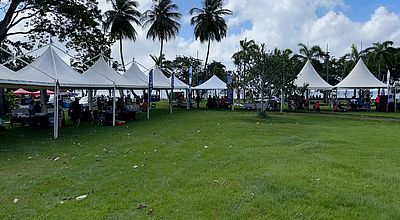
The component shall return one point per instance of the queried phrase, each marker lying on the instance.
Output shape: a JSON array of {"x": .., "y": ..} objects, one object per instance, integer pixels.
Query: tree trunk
[
  {"x": 205, "y": 64},
  {"x": 7, "y": 19},
  {"x": 122, "y": 53},
  {"x": 161, "y": 49}
]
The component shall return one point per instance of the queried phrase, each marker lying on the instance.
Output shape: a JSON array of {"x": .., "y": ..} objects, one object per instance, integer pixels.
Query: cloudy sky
[{"x": 278, "y": 23}]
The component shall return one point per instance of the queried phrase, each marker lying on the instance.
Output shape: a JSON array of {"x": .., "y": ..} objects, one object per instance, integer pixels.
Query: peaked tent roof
[
  {"x": 309, "y": 76},
  {"x": 22, "y": 91},
  {"x": 15, "y": 79},
  {"x": 50, "y": 67},
  {"x": 101, "y": 75},
  {"x": 160, "y": 81},
  {"x": 136, "y": 76},
  {"x": 213, "y": 83},
  {"x": 178, "y": 84},
  {"x": 360, "y": 77}
]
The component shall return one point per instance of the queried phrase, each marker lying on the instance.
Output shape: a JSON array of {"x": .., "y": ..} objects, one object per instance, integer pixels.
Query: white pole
[
  {"x": 55, "y": 97},
  {"x": 282, "y": 101},
  {"x": 113, "y": 105},
  {"x": 55, "y": 111}
]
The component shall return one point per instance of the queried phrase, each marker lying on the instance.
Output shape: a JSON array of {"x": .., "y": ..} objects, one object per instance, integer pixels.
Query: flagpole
[
  {"x": 149, "y": 93},
  {"x": 190, "y": 88},
  {"x": 172, "y": 92}
]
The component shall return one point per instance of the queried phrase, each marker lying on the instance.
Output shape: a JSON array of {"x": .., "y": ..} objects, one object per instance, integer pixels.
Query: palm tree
[
  {"x": 119, "y": 21},
  {"x": 164, "y": 64},
  {"x": 162, "y": 21},
  {"x": 313, "y": 53},
  {"x": 209, "y": 24},
  {"x": 381, "y": 55}
]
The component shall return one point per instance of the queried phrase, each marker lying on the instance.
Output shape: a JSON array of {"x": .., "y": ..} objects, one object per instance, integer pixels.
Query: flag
[
  {"x": 172, "y": 81},
  {"x": 229, "y": 82},
  {"x": 190, "y": 87},
  {"x": 150, "y": 85},
  {"x": 390, "y": 96}
]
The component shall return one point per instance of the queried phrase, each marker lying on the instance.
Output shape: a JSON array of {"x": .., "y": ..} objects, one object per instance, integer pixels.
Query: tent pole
[
  {"x": 56, "y": 111},
  {"x": 148, "y": 104},
  {"x": 114, "y": 105}
]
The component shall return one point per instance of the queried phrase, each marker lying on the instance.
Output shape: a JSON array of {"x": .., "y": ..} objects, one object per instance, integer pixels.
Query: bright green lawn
[{"x": 287, "y": 166}]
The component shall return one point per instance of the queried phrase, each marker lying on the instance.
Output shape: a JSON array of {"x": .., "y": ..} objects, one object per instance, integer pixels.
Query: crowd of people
[
  {"x": 125, "y": 107},
  {"x": 216, "y": 102}
]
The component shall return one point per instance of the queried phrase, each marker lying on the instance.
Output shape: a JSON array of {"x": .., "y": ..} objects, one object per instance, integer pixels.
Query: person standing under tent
[
  {"x": 76, "y": 112},
  {"x": 317, "y": 107},
  {"x": 198, "y": 100}
]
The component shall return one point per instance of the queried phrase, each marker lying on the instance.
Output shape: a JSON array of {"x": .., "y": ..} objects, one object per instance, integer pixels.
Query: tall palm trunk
[
  {"x": 205, "y": 64},
  {"x": 161, "y": 49},
  {"x": 121, "y": 52}
]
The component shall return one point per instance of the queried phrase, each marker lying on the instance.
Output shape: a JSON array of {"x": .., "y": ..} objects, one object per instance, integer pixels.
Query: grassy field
[{"x": 205, "y": 165}]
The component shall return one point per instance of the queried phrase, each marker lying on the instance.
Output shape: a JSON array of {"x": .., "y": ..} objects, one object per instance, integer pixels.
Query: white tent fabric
[
  {"x": 360, "y": 77},
  {"x": 95, "y": 75},
  {"x": 213, "y": 83},
  {"x": 309, "y": 76},
  {"x": 178, "y": 84},
  {"x": 49, "y": 67},
  {"x": 9, "y": 78},
  {"x": 106, "y": 76},
  {"x": 160, "y": 81},
  {"x": 136, "y": 76}
]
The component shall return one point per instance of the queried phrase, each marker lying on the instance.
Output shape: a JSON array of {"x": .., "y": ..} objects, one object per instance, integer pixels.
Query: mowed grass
[{"x": 205, "y": 165}]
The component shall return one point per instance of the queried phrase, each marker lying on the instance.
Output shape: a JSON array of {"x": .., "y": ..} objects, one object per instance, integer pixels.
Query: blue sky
[
  {"x": 278, "y": 23},
  {"x": 357, "y": 10}
]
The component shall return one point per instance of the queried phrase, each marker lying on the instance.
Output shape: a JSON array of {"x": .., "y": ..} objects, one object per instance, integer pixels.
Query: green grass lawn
[{"x": 205, "y": 165}]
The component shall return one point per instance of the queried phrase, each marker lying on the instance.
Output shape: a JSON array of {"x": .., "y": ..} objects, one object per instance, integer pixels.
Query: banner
[
  {"x": 150, "y": 86},
  {"x": 389, "y": 93},
  {"x": 229, "y": 82},
  {"x": 190, "y": 87},
  {"x": 172, "y": 81}
]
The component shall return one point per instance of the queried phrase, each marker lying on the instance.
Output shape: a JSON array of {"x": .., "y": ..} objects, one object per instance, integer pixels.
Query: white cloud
[{"x": 282, "y": 24}]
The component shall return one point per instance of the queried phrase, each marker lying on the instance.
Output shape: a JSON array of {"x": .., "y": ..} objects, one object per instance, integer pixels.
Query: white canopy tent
[
  {"x": 360, "y": 77},
  {"x": 178, "y": 84},
  {"x": 213, "y": 83},
  {"x": 160, "y": 81},
  {"x": 49, "y": 68},
  {"x": 136, "y": 76},
  {"x": 309, "y": 76},
  {"x": 9, "y": 78}
]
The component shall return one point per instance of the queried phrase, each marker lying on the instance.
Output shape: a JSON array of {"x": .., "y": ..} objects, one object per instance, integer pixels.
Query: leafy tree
[
  {"x": 218, "y": 69},
  {"x": 181, "y": 66},
  {"x": 76, "y": 24},
  {"x": 162, "y": 21},
  {"x": 119, "y": 22},
  {"x": 242, "y": 58},
  {"x": 265, "y": 75},
  {"x": 209, "y": 24}
]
